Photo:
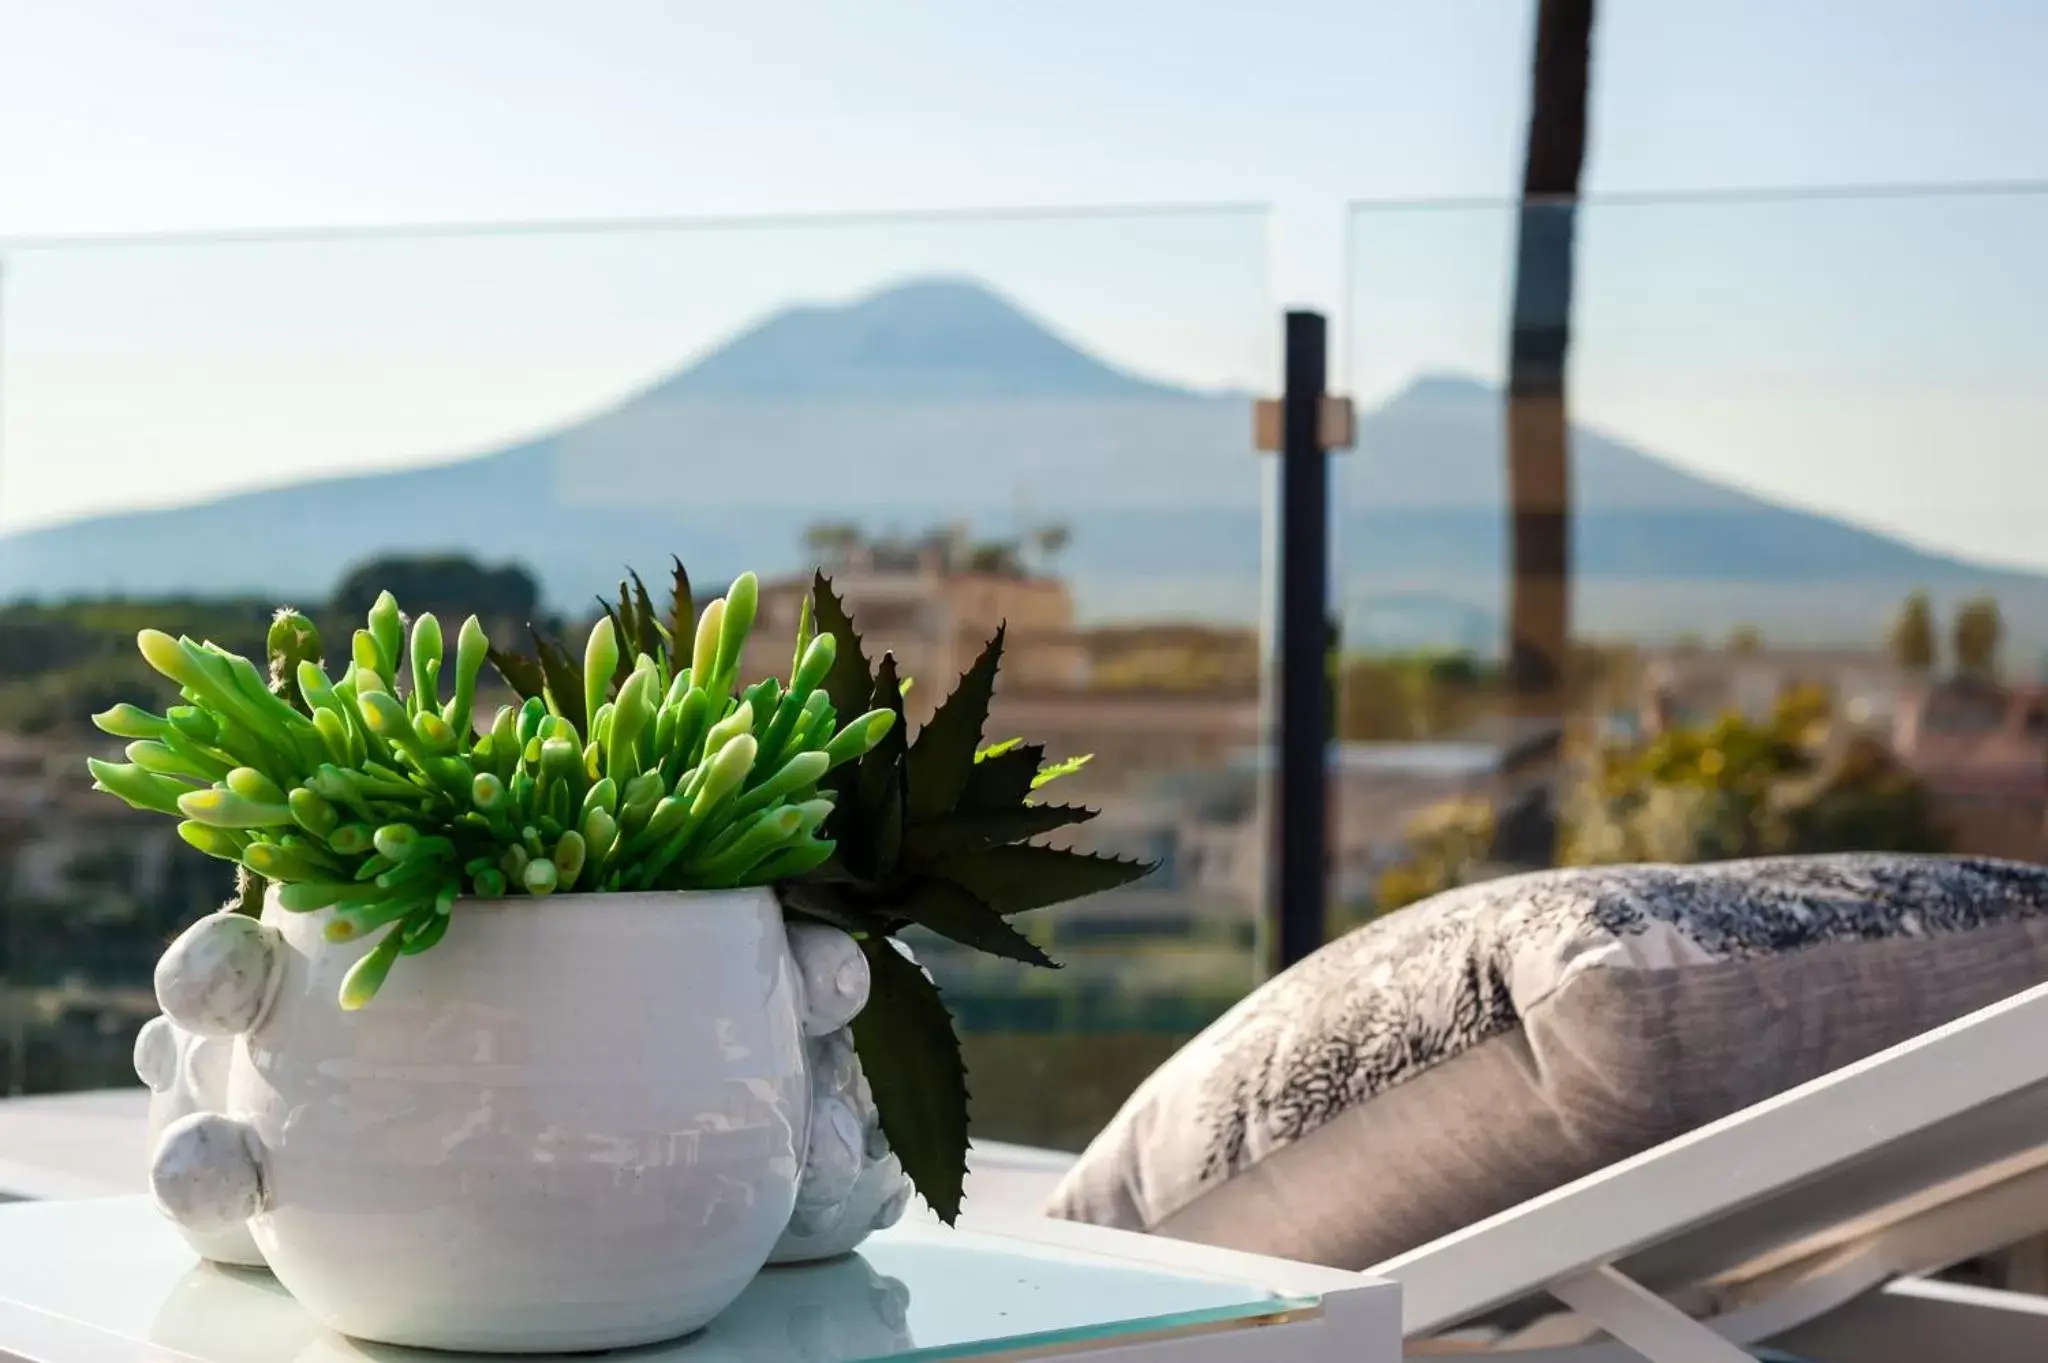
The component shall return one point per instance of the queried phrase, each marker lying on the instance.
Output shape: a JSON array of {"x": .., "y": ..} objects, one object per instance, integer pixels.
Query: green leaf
[
  {"x": 292, "y": 639},
  {"x": 956, "y": 834},
  {"x": 852, "y": 679},
  {"x": 1001, "y": 783},
  {"x": 628, "y": 625},
  {"x": 810, "y": 896},
  {"x": 1016, "y": 879},
  {"x": 875, "y": 830},
  {"x": 682, "y": 615},
  {"x": 911, "y": 1057},
  {"x": 942, "y": 758},
  {"x": 997, "y": 749},
  {"x": 646, "y": 637},
  {"x": 521, "y": 672},
  {"x": 624, "y": 667},
  {"x": 1059, "y": 769},
  {"x": 565, "y": 681},
  {"x": 951, "y": 911}
]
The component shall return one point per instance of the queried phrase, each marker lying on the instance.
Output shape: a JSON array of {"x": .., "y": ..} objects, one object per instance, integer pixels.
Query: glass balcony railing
[
  {"x": 1039, "y": 419},
  {"x": 1769, "y": 549},
  {"x": 1805, "y": 600}
]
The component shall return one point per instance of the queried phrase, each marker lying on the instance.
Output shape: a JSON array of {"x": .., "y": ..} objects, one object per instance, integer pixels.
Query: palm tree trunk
[{"x": 1538, "y": 422}]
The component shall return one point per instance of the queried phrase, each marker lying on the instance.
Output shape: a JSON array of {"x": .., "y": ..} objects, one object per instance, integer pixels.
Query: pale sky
[{"x": 1821, "y": 362}]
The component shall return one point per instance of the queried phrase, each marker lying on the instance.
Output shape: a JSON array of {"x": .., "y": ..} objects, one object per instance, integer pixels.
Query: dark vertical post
[{"x": 1301, "y": 798}]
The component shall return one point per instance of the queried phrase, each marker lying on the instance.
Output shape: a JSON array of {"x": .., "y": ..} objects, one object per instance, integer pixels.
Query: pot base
[{"x": 563, "y": 1342}]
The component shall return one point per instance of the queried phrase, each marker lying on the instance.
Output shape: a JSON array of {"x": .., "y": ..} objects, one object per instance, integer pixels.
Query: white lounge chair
[
  {"x": 1780, "y": 1222},
  {"x": 1800, "y": 1224}
]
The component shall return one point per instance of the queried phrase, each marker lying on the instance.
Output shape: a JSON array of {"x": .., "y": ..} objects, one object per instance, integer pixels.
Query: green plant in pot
[
  {"x": 932, "y": 830},
  {"x": 630, "y": 903}
]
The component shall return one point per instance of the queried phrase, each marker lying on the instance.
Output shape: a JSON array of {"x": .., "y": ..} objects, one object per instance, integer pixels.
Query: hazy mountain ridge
[{"x": 937, "y": 400}]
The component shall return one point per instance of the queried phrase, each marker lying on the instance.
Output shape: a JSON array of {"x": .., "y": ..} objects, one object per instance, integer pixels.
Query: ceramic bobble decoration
[
  {"x": 853, "y": 1185},
  {"x": 512, "y": 1150},
  {"x": 188, "y": 1073}
]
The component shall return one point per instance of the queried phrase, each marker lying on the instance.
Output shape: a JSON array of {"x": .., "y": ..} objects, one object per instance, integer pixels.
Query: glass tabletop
[{"x": 919, "y": 1292}]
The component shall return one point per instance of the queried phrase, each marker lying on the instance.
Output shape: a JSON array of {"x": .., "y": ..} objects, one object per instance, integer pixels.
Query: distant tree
[
  {"x": 830, "y": 542},
  {"x": 1980, "y": 630},
  {"x": 1912, "y": 641},
  {"x": 1745, "y": 641},
  {"x": 1865, "y": 799},
  {"x": 1409, "y": 697},
  {"x": 1051, "y": 540},
  {"x": 1737, "y": 788},
  {"x": 449, "y": 585},
  {"x": 998, "y": 557},
  {"x": 1446, "y": 847}
]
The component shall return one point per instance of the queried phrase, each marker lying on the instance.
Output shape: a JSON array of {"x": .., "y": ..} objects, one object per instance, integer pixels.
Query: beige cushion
[{"x": 1488, "y": 1045}]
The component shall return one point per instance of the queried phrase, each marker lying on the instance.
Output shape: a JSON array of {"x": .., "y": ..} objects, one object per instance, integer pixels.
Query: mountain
[
  {"x": 937, "y": 400},
  {"x": 930, "y": 338}
]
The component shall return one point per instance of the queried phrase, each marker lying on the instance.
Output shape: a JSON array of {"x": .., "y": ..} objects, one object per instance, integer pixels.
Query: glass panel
[
  {"x": 918, "y": 1292},
  {"x": 1040, "y": 418},
  {"x": 1787, "y": 416}
]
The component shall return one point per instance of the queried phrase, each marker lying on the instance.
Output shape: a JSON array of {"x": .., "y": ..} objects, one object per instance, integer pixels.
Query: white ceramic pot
[
  {"x": 188, "y": 1074},
  {"x": 577, "y": 1123}
]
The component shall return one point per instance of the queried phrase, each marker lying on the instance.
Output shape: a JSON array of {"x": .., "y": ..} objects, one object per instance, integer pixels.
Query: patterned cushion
[{"x": 1463, "y": 1055}]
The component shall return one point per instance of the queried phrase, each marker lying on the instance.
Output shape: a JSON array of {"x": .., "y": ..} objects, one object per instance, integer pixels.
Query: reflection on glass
[
  {"x": 1041, "y": 420},
  {"x": 1809, "y": 594},
  {"x": 914, "y": 1293}
]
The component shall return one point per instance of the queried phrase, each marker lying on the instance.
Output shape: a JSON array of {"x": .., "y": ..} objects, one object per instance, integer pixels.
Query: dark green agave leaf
[
  {"x": 852, "y": 679},
  {"x": 682, "y": 615},
  {"x": 942, "y": 757},
  {"x": 1001, "y": 783},
  {"x": 911, "y": 1058},
  {"x": 953, "y": 912},
  {"x": 521, "y": 671},
  {"x": 878, "y": 784},
  {"x": 925, "y": 844},
  {"x": 1017, "y": 879},
  {"x": 565, "y": 681},
  {"x": 646, "y": 637}
]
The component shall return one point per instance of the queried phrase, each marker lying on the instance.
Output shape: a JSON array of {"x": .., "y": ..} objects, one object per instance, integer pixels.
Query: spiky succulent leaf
[
  {"x": 646, "y": 635},
  {"x": 852, "y": 680},
  {"x": 682, "y": 610},
  {"x": 942, "y": 756},
  {"x": 565, "y": 680},
  {"x": 953, "y": 912},
  {"x": 628, "y": 621},
  {"x": 878, "y": 798},
  {"x": 1001, "y": 783},
  {"x": 821, "y": 894},
  {"x": 521, "y": 672},
  {"x": 1013, "y": 880},
  {"x": 927, "y": 843},
  {"x": 911, "y": 1058},
  {"x": 624, "y": 667}
]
